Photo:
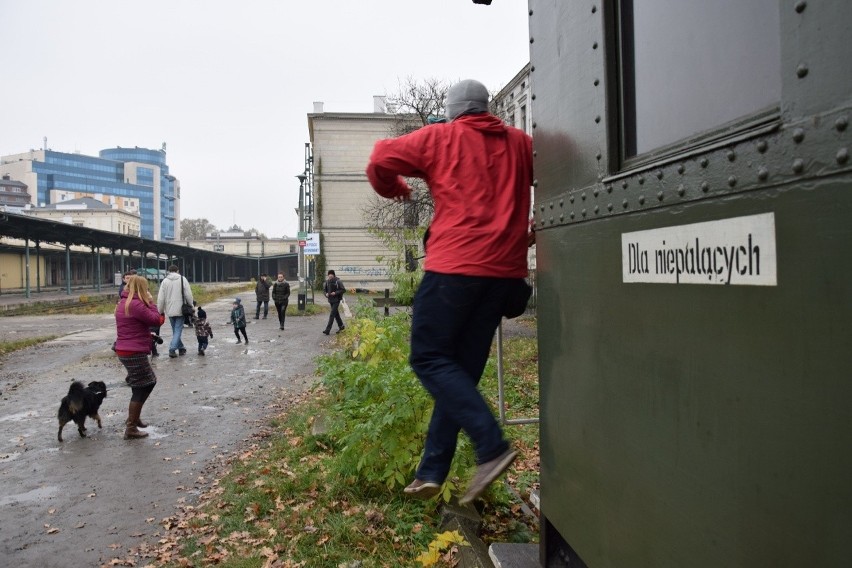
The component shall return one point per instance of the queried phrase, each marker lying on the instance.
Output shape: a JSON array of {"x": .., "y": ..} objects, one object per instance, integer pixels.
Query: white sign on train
[{"x": 737, "y": 251}]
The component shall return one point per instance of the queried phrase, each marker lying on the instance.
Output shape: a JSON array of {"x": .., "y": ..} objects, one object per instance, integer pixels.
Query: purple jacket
[{"x": 132, "y": 330}]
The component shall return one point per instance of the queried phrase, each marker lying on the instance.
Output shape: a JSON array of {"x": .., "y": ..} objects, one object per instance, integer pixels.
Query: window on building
[
  {"x": 691, "y": 66},
  {"x": 523, "y": 125}
]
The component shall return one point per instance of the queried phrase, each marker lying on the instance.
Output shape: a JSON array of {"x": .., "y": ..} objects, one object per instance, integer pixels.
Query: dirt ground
[{"x": 88, "y": 500}]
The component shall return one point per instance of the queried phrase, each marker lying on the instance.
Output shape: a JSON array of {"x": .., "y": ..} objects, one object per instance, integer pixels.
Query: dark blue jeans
[
  {"x": 177, "y": 330},
  {"x": 453, "y": 326}
]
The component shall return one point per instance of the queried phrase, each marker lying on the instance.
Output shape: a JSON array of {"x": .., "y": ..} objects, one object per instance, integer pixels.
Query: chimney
[
  {"x": 318, "y": 107},
  {"x": 379, "y": 104}
]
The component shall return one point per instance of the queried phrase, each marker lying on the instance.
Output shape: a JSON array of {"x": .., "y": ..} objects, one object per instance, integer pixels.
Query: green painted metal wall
[{"x": 687, "y": 424}]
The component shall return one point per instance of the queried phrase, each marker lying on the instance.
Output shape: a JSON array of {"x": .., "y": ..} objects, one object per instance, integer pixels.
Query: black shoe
[
  {"x": 181, "y": 352},
  {"x": 172, "y": 354},
  {"x": 281, "y": 327},
  {"x": 264, "y": 317},
  {"x": 326, "y": 331},
  {"x": 257, "y": 317},
  {"x": 246, "y": 340},
  {"x": 201, "y": 352},
  {"x": 240, "y": 341},
  {"x": 341, "y": 329}
]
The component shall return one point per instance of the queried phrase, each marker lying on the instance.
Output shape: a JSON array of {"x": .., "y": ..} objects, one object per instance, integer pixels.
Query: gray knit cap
[{"x": 466, "y": 97}]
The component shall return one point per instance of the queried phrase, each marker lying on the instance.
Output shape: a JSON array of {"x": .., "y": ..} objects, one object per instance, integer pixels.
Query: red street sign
[{"x": 302, "y": 243}]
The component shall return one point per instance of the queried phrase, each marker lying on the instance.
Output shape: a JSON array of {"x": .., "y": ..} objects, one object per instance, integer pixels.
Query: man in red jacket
[{"x": 479, "y": 173}]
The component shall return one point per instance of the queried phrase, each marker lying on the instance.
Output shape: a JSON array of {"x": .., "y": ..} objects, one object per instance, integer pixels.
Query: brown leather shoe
[{"x": 486, "y": 473}]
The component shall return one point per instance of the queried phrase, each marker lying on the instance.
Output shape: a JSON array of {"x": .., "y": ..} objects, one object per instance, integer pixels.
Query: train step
[{"x": 513, "y": 555}]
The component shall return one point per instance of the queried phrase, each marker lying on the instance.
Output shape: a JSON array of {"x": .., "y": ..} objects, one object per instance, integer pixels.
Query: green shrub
[{"x": 380, "y": 411}]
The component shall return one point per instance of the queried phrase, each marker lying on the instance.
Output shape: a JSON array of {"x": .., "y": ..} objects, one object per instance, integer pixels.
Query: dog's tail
[{"x": 75, "y": 397}]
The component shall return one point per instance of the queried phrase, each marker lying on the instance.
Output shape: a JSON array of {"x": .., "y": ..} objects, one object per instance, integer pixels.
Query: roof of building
[{"x": 86, "y": 202}]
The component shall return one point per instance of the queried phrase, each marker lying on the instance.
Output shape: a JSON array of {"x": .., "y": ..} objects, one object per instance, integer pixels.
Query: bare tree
[{"x": 195, "y": 229}]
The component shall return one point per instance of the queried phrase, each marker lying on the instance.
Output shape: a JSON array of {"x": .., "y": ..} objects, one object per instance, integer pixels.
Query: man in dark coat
[
  {"x": 333, "y": 290},
  {"x": 262, "y": 293},
  {"x": 281, "y": 297}
]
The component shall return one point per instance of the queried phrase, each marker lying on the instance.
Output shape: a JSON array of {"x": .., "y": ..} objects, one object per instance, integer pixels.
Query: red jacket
[
  {"x": 479, "y": 172},
  {"x": 132, "y": 331}
]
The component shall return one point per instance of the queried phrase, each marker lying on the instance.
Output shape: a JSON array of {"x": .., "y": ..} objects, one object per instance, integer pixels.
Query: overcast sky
[{"x": 227, "y": 85}]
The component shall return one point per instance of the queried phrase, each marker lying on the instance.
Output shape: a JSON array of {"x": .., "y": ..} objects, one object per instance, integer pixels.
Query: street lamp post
[{"x": 303, "y": 280}]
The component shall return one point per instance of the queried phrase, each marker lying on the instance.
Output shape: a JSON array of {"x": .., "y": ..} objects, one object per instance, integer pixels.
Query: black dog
[{"x": 80, "y": 403}]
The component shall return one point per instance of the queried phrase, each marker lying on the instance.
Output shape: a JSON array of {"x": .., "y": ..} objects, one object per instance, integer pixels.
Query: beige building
[
  {"x": 90, "y": 213},
  {"x": 341, "y": 144}
]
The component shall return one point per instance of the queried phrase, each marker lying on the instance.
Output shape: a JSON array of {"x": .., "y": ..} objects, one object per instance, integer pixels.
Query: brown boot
[{"x": 131, "y": 429}]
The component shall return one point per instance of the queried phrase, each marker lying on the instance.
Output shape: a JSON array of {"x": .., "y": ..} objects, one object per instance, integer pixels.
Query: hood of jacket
[{"x": 484, "y": 122}]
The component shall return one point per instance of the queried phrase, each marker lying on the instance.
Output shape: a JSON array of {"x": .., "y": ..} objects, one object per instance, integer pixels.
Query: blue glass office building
[{"x": 132, "y": 173}]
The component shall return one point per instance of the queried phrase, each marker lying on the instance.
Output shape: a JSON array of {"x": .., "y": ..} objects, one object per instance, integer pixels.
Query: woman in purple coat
[{"x": 135, "y": 313}]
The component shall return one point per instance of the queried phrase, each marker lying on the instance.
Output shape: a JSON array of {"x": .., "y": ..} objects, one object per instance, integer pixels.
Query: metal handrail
[{"x": 500, "y": 389}]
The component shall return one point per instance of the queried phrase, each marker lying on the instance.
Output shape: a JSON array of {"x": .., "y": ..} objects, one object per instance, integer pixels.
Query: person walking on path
[
  {"x": 174, "y": 292},
  {"x": 334, "y": 290},
  {"x": 238, "y": 319},
  {"x": 135, "y": 314},
  {"x": 261, "y": 290},
  {"x": 202, "y": 329},
  {"x": 281, "y": 297},
  {"x": 479, "y": 172}
]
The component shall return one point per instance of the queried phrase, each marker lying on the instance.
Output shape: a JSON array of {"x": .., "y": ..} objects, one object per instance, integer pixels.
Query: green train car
[{"x": 694, "y": 227}]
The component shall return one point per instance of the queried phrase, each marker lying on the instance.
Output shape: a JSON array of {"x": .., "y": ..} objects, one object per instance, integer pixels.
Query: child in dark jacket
[
  {"x": 238, "y": 318},
  {"x": 202, "y": 329}
]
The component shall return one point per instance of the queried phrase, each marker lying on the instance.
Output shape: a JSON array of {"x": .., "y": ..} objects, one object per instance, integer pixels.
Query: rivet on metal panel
[
  {"x": 641, "y": 180},
  {"x": 583, "y": 212},
  {"x": 551, "y": 220},
  {"x": 597, "y": 209},
  {"x": 798, "y": 135},
  {"x": 571, "y": 199},
  {"x": 532, "y": 68},
  {"x": 705, "y": 187},
  {"x": 641, "y": 200},
  {"x": 659, "y": 196},
  {"x": 798, "y": 165},
  {"x": 800, "y": 6},
  {"x": 542, "y": 208},
  {"x": 659, "y": 174},
  {"x": 531, "y": 12},
  {"x": 532, "y": 96},
  {"x": 596, "y": 191},
  {"x": 681, "y": 190},
  {"x": 624, "y": 203},
  {"x": 598, "y": 156},
  {"x": 762, "y": 173},
  {"x": 624, "y": 184},
  {"x": 535, "y": 124},
  {"x": 609, "y": 188},
  {"x": 595, "y": 45},
  {"x": 561, "y": 202},
  {"x": 535, "y": 153},
  {"x": 594, "y": 9},
  {"x": 571, "y": 215},
  {"x": 731, "y": 155},
  {"x": 532, "y": 40},
  {"x": 704, "y": 162},
  {"x": 535, "y": 183},
  {"x": 762, "y": 146},
  {"x": 609, "y": 206},
  {"x": 732, "y": 181},
  {"x": 841, "y": 123},
  {"x": 561, "y": 217},
  {"x": 680, "y": 169},
  {"x": 597, "y": 82},
  {"x": 801, "y": 71},
  {"x": 842, "y": 156},
  {"x": 597, "y": 119},
  {"x": 551, "y": 205},
  {"x": 583, "y": 196}
]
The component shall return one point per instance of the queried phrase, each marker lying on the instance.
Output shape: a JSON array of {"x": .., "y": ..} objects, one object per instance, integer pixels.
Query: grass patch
[
  {"x": 305, "y": 495},
  {"x": 7, "y": 347}
]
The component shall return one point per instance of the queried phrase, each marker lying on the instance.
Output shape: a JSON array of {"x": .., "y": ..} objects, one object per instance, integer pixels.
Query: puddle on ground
[
  {"x": 19, "y": 416},
  {"x": 154, "y": 435},
  {"x": 39, "y": 494}
]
